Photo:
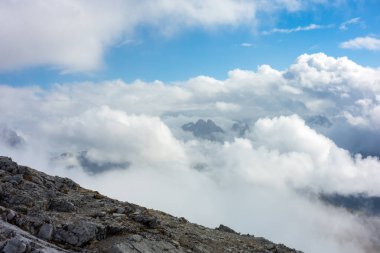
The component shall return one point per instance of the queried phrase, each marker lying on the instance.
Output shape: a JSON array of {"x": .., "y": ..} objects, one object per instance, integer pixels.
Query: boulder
[
  {"x": 15, "y": 245},
  {"x": 46, "y": 231},
  {"x": 77, "y": 234}
]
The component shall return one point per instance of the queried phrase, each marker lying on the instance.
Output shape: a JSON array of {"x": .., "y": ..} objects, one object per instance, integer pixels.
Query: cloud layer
[{"x": 308, "y": 129}]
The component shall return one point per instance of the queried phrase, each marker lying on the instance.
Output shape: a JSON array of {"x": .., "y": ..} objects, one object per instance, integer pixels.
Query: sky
[
  {"x": 99, "y": 91},
  {"x": 171, "y": 41}
]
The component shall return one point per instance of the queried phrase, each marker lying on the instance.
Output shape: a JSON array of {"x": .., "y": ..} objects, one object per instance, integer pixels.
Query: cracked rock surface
[{"x": 42, "y": 214}]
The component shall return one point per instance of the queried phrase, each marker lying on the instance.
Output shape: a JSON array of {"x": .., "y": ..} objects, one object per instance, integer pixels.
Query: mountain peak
[{"x": 204, "y": 129}]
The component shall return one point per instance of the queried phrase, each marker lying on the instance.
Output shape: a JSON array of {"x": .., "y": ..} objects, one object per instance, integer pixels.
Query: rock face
[
  {"x": 240, "y": 128},
  {"x": 318, "y": 121},
  {"x": 90, "y": 166},
  {"x": 41, "y": 213},
  {"x": 204, "y": 129}
]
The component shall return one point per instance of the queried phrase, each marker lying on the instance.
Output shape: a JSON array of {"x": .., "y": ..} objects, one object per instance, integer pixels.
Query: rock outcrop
[
  {"x": 205, "y": 130},
  {"x": 41, "y": 213}
]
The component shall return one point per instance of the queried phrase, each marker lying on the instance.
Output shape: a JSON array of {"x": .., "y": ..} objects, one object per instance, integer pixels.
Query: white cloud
[
  {"x": 368, "y": 43},
  {"x": 353, "y": 21},
  {"x": 246, "y": 44},
  {"x": 338, "y": 75},
  {"x": 293, "y": 5},
  {"x": 125, "y": 138},
  {"x": 250, "y": 174},
  {"x": 225, "y": 107},
  {"x": 74, "y": 35},
  {"x": 297, "y": 29}
]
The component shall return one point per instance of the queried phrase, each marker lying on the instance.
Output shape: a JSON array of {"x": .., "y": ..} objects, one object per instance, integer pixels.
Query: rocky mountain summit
[
  {"x": 41, "y": 213},
  {"x": 204, "y": 129}
]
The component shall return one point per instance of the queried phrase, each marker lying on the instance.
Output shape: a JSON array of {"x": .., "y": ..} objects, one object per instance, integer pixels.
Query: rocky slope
[{"x": 41, "y": 213}]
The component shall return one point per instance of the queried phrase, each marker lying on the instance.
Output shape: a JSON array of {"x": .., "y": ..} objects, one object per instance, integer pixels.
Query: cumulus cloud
[
  {"x": 337, "y": 75},
  {"x": 289, "y": 135},
  {"x": 368, "y": 43},
  {"x": 74, "y": 35}
]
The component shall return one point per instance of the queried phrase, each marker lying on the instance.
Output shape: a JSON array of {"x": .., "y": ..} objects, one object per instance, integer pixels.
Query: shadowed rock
[
  {"x": 318, "y": 121},
  {"x": 204, "y": 129},
  {"x": 87, "y": 164},
  {"x": 357, "y": 203},
  {"x": 240, "y": 128}
]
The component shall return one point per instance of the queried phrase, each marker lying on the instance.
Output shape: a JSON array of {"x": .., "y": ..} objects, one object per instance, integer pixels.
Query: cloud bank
[{"x": 289, "y": 135}]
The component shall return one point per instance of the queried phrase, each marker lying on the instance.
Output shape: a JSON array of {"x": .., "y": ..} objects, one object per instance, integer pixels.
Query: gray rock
[
  {"x": 21, "y": 199},
  {"x": 114, "y": 229},
  {"x": 15, "y": 245},
  {"x": 122, "y": 248},
  {"x": 98, "y": 214},
  {"x": 269, "y": 246},
  {"x": 204, "y": 129},
  {"x": 148, "y": 221},
  {"x": 225, "y": 229},
  {"x": 241, "y": 128},
  {"x": 11, "y": 214},
  {"x": 46, "y": 231},
  {"x": 61, "y": 205},
  {"x": 16, "y": 179},
  {"x": 75, "y": 219},
  {"x": 155, "y": 247},
  {"x": 77, "y": 234},
  {"x": 118, "y": 215},
  {"x": 318, "y": 121},
  {"x": 135, "y": 238},
  {"x": 19, "y": 237},
  {"x": 88, "y": 164}
]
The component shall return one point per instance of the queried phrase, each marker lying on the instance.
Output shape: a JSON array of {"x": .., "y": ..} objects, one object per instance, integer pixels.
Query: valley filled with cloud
[{"x": 269, "y": 144}]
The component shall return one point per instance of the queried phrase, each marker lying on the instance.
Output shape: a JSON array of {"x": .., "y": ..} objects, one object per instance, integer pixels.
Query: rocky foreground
[{"x": 41, "y": 213}]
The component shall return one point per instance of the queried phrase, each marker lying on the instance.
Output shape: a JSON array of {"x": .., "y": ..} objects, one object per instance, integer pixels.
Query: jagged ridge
[{"x": 42, "y": 213}]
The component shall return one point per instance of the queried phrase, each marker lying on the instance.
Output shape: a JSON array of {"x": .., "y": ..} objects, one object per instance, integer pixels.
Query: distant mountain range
[{"x": 356, "y": 203}]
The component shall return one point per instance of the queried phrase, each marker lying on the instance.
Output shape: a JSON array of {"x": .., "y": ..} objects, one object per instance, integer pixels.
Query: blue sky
[{"x": 149, "y": 54}]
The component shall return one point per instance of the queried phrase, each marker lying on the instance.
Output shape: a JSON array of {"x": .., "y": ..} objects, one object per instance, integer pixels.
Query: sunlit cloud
[{"x": 366, "y": 43}]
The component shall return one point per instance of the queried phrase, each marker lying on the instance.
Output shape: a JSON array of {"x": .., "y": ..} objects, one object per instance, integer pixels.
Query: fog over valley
[{"x": 254, "y": 151}]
